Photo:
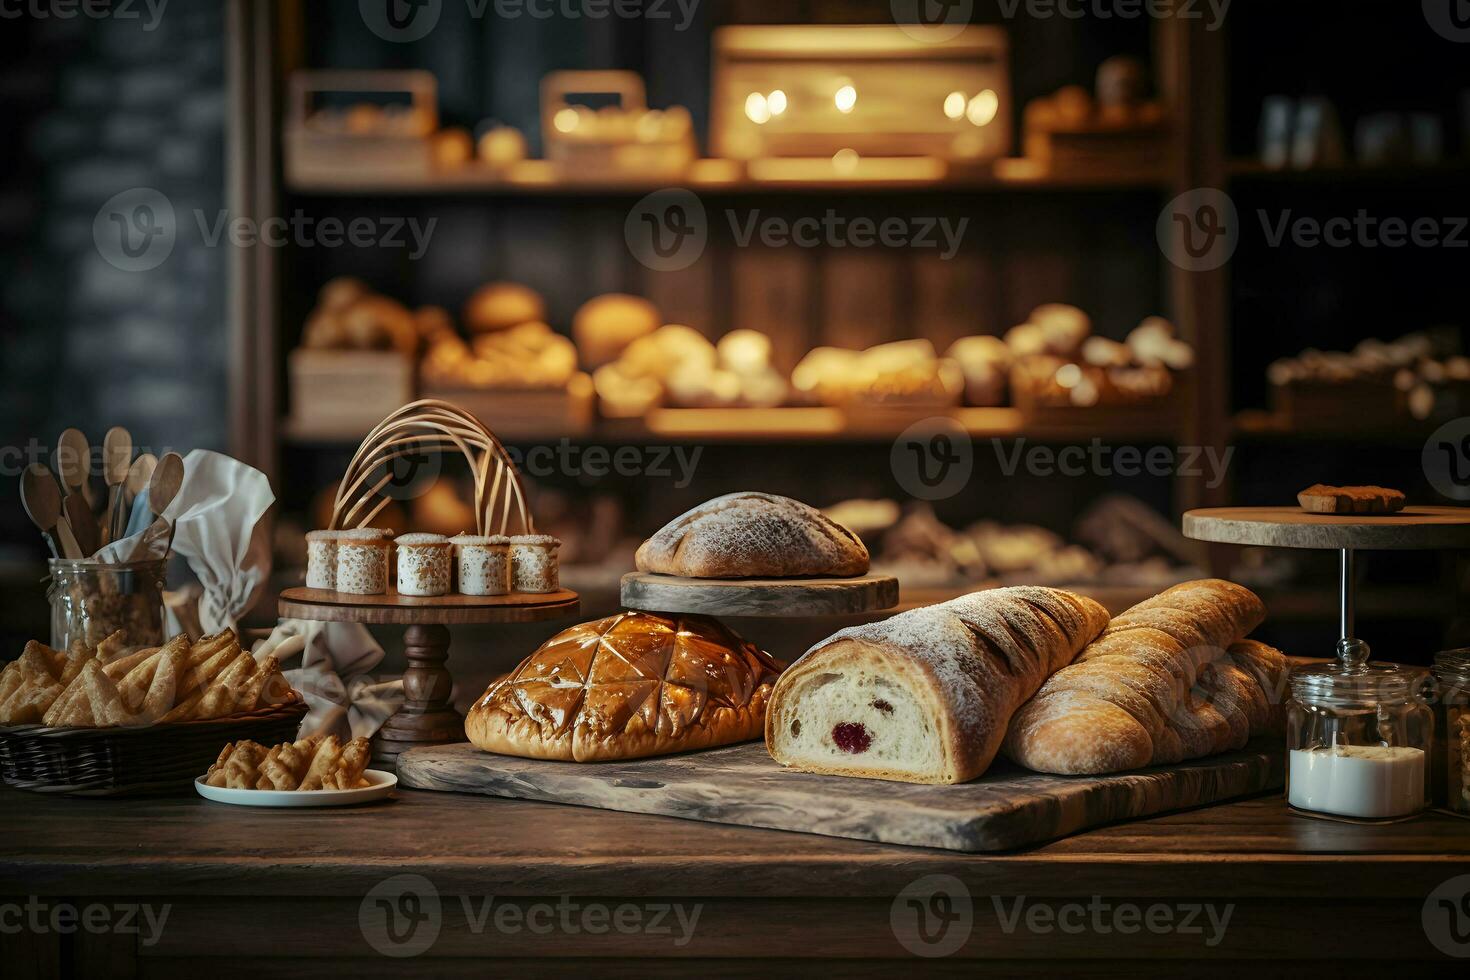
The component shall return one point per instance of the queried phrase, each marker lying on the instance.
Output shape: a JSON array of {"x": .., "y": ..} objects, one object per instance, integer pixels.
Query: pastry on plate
[
  {"x": 631, "y": 685},
  {"x": 316, "y": 762},
  {"x": 753, "y": 535}
]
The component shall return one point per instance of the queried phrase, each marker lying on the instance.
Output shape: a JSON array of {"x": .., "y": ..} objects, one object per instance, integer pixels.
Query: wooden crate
[
  {"x": 527, "y": 413},
  {"x": 311, "y": 155},
  {"x": 344, "y": 393}
]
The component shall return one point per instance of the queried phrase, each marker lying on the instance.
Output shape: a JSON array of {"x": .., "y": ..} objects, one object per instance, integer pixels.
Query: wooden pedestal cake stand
[
  {"x": 427, "y": 717},
  {"x": 1413, "y": 528},
  {"x": 759, "y": 597}
]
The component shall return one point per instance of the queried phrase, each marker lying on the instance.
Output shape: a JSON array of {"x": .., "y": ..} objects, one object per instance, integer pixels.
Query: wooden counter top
[{"x": 297, "y": 871}]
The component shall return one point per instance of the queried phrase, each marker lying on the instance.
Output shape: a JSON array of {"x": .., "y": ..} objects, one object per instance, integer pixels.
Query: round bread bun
[
  {"x": 502, "y": 146},
  {"x": 607, "y": 324},
  {"x": 500, "y": 305},
  {"x": 753, "y": 535}
]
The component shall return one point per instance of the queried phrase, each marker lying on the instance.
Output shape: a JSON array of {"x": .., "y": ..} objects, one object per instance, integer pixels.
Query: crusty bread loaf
[
  {"x": 1166, "y": 681},
  {"x": 753, "y": 535},
  {"x": 924, "y": 697},
  {"x": 631, "y": 685}
]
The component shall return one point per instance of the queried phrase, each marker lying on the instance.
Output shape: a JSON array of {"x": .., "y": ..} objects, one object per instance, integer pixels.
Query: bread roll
[
  {"x": 753, "y": 535},
  {"x": 924, "y": 697},
  {"x": 628, "y": 686},
  {"x": 604, "y": 326},
  {"x": 1158, "y": 686},
  {"x": 502, "y": 305}
]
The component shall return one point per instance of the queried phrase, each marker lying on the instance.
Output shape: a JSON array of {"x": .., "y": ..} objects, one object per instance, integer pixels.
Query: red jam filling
[{"x": 852, "y": 737}]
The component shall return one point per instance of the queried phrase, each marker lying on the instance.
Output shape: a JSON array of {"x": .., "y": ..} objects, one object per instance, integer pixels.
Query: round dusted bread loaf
[{"x": 753, "y": 535}]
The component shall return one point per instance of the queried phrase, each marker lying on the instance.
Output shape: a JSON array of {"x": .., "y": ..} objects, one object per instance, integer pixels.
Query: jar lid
[
  {"x": 1452, "y": 661},
  {"x": 1366, "y": 682}
]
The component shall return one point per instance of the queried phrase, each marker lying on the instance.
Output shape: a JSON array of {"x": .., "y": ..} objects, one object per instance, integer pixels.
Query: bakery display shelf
[
  {"x": 427, "y": 717},
  {"x": 769, "y": 597},
  {"x": 1354, "y": 173},
  {"x": 537, "y": 178},
  {"x": 793, "y": 425},
  {"x": 1264, "y": 425}
]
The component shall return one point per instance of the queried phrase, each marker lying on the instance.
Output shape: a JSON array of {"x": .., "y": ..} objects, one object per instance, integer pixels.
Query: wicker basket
[{"x": 133, "y": 761}]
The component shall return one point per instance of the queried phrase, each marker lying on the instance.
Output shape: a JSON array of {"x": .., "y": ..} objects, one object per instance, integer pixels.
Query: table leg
[{"x": 427, "y": 717}]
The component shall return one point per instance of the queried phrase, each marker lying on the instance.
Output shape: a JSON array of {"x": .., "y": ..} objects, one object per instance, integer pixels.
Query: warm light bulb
[
  {"x": 983, "y": 107},
  {"x": 845, "y": 160},
  {"x": 757, "y": 109},
  {"x": 776, "y": 102},
  {"x": 845, "y": 98},
  {"x": 565, "y": 120},
  {"x": 954, "y": 105}
]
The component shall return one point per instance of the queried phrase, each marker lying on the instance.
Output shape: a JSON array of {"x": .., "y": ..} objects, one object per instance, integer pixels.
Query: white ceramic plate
[{"x": 380, "y": 785}]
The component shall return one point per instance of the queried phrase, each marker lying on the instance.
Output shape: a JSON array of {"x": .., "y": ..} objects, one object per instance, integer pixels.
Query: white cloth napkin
[
  {"x": 335, "y": 676},
  {"x": 219, "y": 529}
]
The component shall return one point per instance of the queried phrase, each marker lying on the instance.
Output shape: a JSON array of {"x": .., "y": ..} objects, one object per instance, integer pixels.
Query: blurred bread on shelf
[
  {"x": 502, "y": 147},
  {"x": 1117, "y": 128},
  {"x": 451, "y": 148},
  {"x": 1378, "y": 384},
  {"x": 529, "y": 355},
  {"x": 355, "y": 362},
  {"x": 605, "y": 325},
  {"x": 361, "y": 124},
  {"x": 349, "y": 316},
  {"x": 901, "y": 372},
  {"x": 678, "y": 366},
  {"x": 502, "y": 305}
]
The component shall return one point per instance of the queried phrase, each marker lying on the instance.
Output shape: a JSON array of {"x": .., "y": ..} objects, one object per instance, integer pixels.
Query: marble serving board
[{"x": 1006, "y": 808}]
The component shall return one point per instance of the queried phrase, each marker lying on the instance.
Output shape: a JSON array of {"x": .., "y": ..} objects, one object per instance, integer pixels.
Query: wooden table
[{"x": 563, "y": 891}]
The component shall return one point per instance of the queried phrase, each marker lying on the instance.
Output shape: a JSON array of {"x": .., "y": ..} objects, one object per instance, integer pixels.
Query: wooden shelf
[
  {"x": 1354, "y": 173},
  {"x": 537, "y": 178},
  {"x": 1267, "y": 426},
  {"x": 798, "y": 426}
]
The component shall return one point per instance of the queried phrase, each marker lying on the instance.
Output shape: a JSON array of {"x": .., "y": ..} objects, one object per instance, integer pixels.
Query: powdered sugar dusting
[{"x": 752, "y": 535}]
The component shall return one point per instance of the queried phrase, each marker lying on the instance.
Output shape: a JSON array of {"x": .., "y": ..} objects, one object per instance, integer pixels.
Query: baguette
[
  {"x": 1167, "y": 680},
  {"x": 924, "y": 697}
]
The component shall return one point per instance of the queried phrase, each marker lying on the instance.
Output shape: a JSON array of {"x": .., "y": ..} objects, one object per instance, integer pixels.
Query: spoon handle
[{"x": 69, "y": 546}]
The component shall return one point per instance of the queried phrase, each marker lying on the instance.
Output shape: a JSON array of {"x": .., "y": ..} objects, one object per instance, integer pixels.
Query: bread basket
[{"x": 134, "y": 761}]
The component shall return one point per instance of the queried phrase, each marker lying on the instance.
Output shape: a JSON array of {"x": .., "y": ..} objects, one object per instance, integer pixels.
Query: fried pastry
[
  {"x": 316, "y": 762},
  {"x": 107, "y": 685}
]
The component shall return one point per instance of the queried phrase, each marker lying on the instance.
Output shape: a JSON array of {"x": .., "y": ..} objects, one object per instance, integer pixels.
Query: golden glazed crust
[{"x": 628, "y": 686}]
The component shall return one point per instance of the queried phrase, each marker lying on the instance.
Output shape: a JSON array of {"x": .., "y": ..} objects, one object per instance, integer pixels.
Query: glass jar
[
  {"x": 1452, "y": 729},
  {"x": 1358, "y": 736},
  {"x": 90, "y": 601}
]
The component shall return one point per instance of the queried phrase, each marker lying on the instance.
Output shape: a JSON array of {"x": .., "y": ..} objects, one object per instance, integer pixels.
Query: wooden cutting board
[{"x": 1008, "y": 807}]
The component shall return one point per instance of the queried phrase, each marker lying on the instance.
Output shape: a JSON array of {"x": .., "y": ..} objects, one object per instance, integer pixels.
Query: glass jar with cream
[{"x": 1358, "y": 734}]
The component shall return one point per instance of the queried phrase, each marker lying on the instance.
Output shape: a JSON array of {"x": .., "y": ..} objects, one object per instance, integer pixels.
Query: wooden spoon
[
  {"x": 117, "y": 459},
  {"x": 41, "y": 498},
  {"x": 139, "y": 476},
  {"x": 168, "y": 476},
  {"x": 78, "y": 516},
  {"x": 73, "y": 461}
]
